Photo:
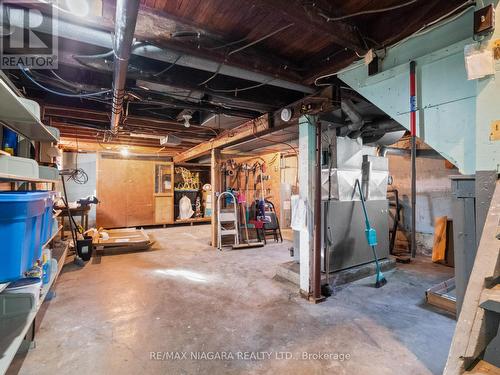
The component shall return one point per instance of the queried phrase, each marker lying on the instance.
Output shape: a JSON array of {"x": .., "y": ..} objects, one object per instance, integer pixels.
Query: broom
[{"x": 371, "y": 237}]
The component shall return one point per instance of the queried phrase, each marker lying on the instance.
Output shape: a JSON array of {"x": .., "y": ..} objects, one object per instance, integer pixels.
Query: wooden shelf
[
  {"x": 20, "y": 325},
  {"x": 14, "y": 178},
  {"x": 194, "y": 220}
]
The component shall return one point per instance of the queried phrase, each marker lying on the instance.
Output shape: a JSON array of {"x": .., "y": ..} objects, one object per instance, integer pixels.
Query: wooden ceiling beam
[
  {"x": 161, "y": 126},
  {"x": 159, "y": 27},
  {"x": 68, "y": 144},
  {"x": 341, "y": 33}
]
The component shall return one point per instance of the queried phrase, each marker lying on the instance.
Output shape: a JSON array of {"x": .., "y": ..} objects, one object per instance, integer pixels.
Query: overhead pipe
[
  {"x": 413, "y": 130},
  {"x": 101, "y": 38},
  {"x": 350, "y": 110},
  {"x": 125, "y": 21}
]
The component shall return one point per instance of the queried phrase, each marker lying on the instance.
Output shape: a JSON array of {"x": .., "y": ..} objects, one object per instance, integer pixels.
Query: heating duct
[{"x": 125, "y": 21}]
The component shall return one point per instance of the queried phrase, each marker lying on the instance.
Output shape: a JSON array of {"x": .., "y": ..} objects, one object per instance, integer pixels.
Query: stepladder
[{"x": 227, "y": 218}]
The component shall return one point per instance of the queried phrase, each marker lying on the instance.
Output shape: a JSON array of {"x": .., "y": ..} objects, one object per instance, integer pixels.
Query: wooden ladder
[{"x": 475, "y": 345}]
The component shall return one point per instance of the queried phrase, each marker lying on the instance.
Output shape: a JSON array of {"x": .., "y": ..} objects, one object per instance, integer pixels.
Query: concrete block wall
[{"x": 433, "y": 195}]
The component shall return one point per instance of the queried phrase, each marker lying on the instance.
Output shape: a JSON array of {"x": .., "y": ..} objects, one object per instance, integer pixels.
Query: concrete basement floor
[{"x": 108, "y": 317}]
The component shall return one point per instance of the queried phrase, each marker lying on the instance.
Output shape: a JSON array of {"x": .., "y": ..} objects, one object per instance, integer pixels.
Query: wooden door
[
  {"x": 140, "y": 193},
  {"x": 112, "y": 177}
]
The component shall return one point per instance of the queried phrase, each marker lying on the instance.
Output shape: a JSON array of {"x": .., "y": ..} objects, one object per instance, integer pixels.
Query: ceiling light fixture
[
  {"x": 186, "y": 120},
  {"x": 286, "y": 114}
]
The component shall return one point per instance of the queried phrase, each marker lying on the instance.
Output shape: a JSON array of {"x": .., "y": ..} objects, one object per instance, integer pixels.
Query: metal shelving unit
[
  {"x": 13, "y": 178},
  {"x": 21, "y": 115},
  {"x": 18, "y": 327}
]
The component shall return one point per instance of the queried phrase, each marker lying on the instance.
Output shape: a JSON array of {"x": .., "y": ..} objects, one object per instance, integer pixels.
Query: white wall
[{"x": 75, "y": 191}]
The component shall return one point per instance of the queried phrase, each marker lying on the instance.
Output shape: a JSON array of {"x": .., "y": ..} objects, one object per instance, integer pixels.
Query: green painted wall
[{"x": 454, "y": 114}]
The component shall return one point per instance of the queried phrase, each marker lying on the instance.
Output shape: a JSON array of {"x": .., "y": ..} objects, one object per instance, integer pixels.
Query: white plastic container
[
  {"x": 32, "y": 285},
  {"x": 48, "y": 173},
  {"x": 18, "y": 166}
]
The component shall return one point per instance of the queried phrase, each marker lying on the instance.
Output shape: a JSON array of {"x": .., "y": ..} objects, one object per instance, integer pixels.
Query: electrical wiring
[
  {"x": 422, "y": 31},
  {"x": 168, "y": 67},
  {"x": 272, "y": 141},
  {"x": 235, "y": 91},
  {"x": 267, "y": 36},
  {"x": 24, "y": 72},
  {"x": 78, "y": 175},
  {"x": 228, "y": 44},
  {"x": 363, "y": 12},
  {"x": 212, "y": 76}
]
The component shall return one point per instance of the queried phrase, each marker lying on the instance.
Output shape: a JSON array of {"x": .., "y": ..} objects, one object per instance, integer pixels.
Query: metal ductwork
[
  {"x": 350, "y": 110},
  {"x": 425, "y": 153},
  {"x": 125, "y": 21}
]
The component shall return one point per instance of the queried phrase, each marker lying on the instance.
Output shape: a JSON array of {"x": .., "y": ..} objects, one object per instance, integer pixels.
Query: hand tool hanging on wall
[{"x": 371, "y": 237}]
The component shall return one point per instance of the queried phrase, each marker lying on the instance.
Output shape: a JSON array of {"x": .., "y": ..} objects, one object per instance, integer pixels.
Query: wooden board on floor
[
  {"x": 124, "y": 237},
  {"x": 484, "y": 368}
]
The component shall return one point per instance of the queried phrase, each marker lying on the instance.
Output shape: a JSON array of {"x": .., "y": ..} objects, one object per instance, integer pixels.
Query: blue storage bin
[
  {"x": 47, "y": 221},
  {"x": 21, "y": 218}
]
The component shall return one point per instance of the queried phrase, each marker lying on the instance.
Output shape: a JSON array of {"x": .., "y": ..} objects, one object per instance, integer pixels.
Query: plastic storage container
[
  {"x": 47, "y": 223},
  {"x": 19, "y": 166},
  {"x": 48, "y": 173},
  {"x": 29, "y": 285},
  {"x": 21, "y": 217}
]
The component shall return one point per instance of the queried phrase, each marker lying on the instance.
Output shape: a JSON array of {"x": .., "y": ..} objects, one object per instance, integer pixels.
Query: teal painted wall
[{"x": 454, "y": 114}]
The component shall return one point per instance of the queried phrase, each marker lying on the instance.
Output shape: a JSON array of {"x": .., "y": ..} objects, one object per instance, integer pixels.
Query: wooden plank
[
  {"x": 470, "y": 333},
  {"x": 194, "y": 220},
  {"x": 484, "y": 368},
  {"x": 229, "y": 137},
  {"x": 13, "y": 177}
]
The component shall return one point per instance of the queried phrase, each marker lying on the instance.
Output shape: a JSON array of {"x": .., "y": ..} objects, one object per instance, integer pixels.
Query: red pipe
[
  {"x": 413, "y": 100},
  {"x": 413, "y": 129}
]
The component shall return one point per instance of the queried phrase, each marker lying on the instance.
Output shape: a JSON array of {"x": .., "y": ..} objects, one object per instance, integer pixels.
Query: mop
[{"x": 371, "y": 237}]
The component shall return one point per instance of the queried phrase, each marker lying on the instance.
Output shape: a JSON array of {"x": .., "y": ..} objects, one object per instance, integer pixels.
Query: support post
[
  {"x": 316, "y": 273},
  {"x": 307, "y": 172},
  {"x": 215, "y": 180},
  {"x": 413, "y": 130}
]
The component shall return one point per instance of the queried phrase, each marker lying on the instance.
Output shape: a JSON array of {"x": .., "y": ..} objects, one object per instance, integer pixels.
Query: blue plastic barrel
[{"x": 21, "y": 217}]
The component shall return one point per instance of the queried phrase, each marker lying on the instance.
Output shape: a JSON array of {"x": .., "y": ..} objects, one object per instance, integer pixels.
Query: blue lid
[{"x": 22, "y": 196}]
